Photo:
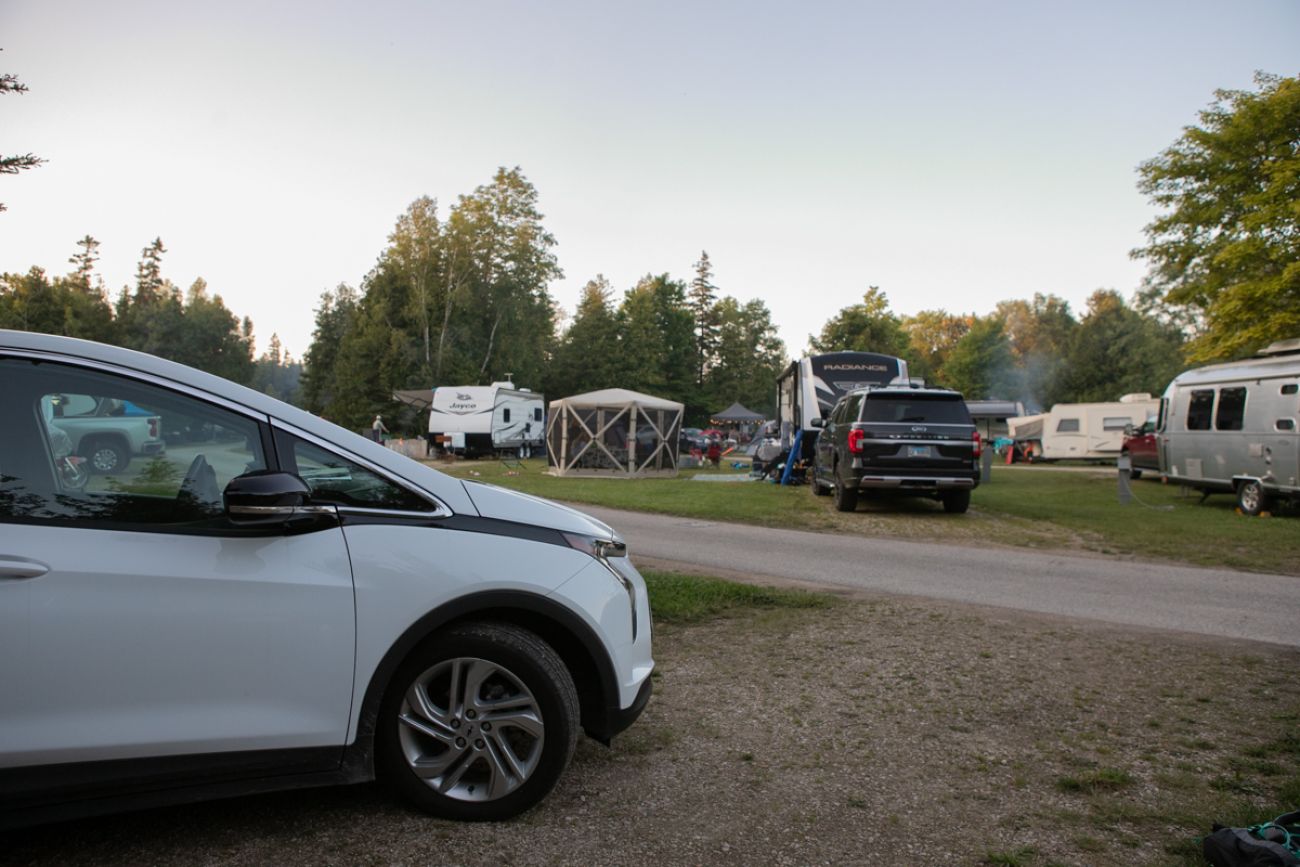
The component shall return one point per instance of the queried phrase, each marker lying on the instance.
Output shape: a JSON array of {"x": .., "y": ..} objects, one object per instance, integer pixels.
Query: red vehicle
[{"x": 1140, "y": 448}]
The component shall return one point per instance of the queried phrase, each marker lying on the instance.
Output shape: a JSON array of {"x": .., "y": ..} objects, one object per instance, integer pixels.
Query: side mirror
[
  {"x": 818, "y": 422},
  {"x": 1129, "y": 430},
  {"x": 269, "y": 497}
]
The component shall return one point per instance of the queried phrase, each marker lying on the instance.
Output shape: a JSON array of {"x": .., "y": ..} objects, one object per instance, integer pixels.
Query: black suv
[{"x": 898, "y": 439}]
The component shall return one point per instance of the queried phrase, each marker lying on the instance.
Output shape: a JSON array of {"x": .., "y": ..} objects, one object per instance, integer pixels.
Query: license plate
[{"x": 918, "y": 451}]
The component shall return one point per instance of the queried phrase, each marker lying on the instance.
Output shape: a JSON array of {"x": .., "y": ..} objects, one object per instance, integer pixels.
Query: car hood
[{"x": 506, "y": 505}]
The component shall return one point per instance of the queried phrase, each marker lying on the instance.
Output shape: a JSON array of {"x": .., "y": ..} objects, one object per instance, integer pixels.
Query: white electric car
[{"x": 282, "y": 603}]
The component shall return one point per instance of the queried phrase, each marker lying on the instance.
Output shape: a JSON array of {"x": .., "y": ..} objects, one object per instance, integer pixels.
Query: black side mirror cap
[
  {"x": 818, "y": 422},
  {"x": 272, "y": 497}
]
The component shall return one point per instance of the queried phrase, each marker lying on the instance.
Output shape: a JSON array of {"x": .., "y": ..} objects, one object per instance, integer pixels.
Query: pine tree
[{"x": 702, "y": 301}]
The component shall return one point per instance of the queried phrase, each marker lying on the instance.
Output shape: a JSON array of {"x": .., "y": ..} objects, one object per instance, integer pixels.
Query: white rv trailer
[
  {"x": 1080, "y": 431},
  {"x": 809, "y": 388},
  {"x": 474, "y": 420},
  {"x": 1233, "y": 428}
]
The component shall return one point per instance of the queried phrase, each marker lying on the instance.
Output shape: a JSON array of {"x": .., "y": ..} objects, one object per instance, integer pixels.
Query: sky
[{"x": 955, "y": 154}]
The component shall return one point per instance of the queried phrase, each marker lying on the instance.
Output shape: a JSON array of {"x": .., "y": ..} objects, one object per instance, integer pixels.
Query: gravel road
[{"x": 1216, "y": 602}]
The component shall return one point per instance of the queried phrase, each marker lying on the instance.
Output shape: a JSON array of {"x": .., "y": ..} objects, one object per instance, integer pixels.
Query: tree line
[
  {"x": 194, "y": 328},
  {"x": 462, "y": 297}
]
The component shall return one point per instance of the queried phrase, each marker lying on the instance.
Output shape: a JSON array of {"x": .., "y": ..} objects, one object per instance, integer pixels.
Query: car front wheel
[
  {"x": 478, "y": 723},
  {"x": 106, "y": 456}
]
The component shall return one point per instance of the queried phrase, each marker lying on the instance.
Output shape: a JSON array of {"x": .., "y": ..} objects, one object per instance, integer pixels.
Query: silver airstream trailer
[{"x": 1233, "y": 428}]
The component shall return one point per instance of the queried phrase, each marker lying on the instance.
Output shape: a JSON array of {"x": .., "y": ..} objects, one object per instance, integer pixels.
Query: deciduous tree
[
  {"x": 865, "y": 327},
  {"x": 1228, "y": 242}
]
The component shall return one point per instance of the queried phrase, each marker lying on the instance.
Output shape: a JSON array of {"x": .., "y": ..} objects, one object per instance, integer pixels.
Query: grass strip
[{"x": 677, "y": 597}]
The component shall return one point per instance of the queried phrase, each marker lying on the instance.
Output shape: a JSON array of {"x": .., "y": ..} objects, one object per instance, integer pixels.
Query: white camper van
[
  {"x": 1233, "y": 428},
  {"x": 1080, "y": 431},
  {"x": 474, "y": 420}
]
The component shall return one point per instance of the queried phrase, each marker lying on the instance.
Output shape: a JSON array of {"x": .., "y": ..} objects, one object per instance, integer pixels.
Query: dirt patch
[{"x": 879, "y": 731}]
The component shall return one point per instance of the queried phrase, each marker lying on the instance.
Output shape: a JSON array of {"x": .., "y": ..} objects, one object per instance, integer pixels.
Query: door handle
[{"x": 18, "y": 567}]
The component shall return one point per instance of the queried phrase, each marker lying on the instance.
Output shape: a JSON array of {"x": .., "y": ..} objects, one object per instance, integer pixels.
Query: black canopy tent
[{"x": 737, "y": 414}]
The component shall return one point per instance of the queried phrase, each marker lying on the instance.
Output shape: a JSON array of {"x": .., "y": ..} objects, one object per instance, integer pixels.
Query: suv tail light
[
  {"x": 856, "y": 436},
  {"x": 975, "y": 439}
]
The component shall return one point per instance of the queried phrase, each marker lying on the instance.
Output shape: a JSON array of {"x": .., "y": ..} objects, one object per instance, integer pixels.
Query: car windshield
[{"x": 916, "y": 409}]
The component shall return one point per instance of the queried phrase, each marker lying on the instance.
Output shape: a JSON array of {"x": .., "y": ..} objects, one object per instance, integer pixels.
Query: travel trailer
[
  {"x": 809, "y": 388},
  {"x": 475, "y": 420},
  {"x": 1080, "y": 431},
  {"x": 1232, "y": 428}
]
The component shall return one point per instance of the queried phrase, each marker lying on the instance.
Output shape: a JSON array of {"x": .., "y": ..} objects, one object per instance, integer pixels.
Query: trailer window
[
  {"x": 505, "y": 415},
  {"x": 1116, "y": 423},
  {"x": 1200, "y": 409},
  {"x": 1067, "y": 425},
  {"x": 1285, "y": 424},
  {"x": 1292, "y": 388},
  {"x": 537, "y": 413},
  {"x": 1232, "y": 409}
]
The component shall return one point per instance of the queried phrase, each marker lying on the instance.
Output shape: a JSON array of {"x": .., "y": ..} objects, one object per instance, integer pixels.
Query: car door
[{"x": 136, "y": 621}]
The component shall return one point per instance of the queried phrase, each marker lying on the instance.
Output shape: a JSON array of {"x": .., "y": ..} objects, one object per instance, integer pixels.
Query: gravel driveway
[{"x": 880, "y": 731}]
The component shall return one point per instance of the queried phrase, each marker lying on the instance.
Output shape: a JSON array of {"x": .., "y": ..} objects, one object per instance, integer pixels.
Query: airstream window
[
  {"x": 1285, "y": 424},
  {"x": 1200, "y": 409},
  {"x": 1290, "y": 389},
  {"x": 1232, "y": 409}
]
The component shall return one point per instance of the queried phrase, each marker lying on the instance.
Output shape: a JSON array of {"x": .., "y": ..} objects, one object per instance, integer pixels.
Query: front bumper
[{"x": 618, "y": 719}]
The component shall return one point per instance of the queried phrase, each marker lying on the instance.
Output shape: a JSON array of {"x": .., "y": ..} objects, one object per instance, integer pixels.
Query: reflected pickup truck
[
  {"x": 903, "y": 440},
  {"x": 106, "y": 431}
]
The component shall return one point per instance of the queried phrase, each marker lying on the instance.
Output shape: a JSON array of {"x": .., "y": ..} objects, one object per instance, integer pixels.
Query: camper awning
[{"x": 420, "y": 398}]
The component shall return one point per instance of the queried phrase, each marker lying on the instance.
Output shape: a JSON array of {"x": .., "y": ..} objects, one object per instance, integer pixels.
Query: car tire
[
  {"x": 818, "y": 489},
  {"x": 956, "y": 502},
  {"x": 104, "y": 456},
  {"x": 1251, "y": 497},
  {"x": 446, "y": 749},
  {"x": 846, "y": 498}
]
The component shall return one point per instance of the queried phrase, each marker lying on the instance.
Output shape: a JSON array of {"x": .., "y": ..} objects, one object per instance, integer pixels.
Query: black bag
[{"x": 1272, "y": 844}]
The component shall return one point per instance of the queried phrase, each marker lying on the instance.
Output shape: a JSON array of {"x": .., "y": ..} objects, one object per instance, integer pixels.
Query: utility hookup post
[
  {"x": 1125, "y": 466},
  {"x": 986, "y": 465}
]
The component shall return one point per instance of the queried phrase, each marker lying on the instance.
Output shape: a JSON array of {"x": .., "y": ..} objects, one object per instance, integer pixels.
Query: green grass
[
  {"x": 1032, "y": 507},
  {"x": 1100, "y": 780},
  {"x": 681, "y": 598}
]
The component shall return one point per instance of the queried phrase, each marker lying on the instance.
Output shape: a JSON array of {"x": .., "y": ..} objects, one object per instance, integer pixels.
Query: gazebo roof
[
  {"x": 617, "y": 397},
  {"x": 736, "y": 412}
]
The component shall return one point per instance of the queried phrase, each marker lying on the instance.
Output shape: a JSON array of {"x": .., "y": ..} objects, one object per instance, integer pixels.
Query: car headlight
[{"x": 603, "y": 550}]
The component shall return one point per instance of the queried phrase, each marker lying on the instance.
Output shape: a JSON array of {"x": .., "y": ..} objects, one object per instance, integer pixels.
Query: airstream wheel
[{"x": 1251, "y": 497}]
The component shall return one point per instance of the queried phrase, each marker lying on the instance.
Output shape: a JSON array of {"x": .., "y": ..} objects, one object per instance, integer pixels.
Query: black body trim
[
  {"x": 42, "y": 793},
  {"x": 463, "y": 523}
]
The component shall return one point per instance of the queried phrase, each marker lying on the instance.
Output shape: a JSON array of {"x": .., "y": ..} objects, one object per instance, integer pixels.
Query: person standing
[{"x": 377, "y": 429}]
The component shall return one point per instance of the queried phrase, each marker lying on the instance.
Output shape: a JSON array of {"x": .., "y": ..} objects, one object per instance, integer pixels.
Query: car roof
[{"x": 907, "y": 391}]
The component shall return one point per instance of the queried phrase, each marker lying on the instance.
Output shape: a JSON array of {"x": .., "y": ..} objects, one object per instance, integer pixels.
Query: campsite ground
[{"x": 795, "y": 728}]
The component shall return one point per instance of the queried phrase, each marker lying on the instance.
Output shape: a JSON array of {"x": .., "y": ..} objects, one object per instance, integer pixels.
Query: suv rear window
[{"x": 916, "y": 409}]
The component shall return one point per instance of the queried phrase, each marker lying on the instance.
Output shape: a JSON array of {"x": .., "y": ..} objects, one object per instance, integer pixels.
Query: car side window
[
  {"x": 93, "y": 448},
  {"x": 343, "y": 482}
]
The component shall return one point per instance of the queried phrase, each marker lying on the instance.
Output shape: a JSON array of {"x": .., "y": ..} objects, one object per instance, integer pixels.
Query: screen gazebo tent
[{"x": 613, "y": 432}]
